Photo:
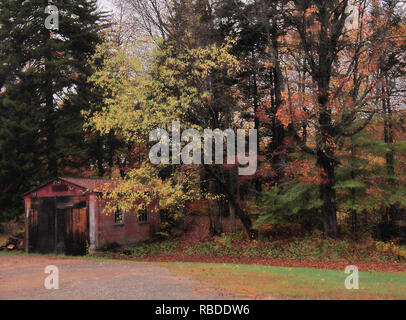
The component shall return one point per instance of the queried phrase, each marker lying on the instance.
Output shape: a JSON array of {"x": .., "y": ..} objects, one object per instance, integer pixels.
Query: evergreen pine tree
[{"x": 43, "y": 81}]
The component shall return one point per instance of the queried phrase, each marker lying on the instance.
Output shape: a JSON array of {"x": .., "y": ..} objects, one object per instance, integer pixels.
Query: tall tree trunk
[
  {"x": 391, "y": 212},
  {"x": 325, "y": 154},
  {"x": 245, "y": 219},
  {"x": 211, "y": 226},
  {"x": 258, "y": 186},
  {"x": 232, "y": 216},
  {"x": 354, "y": 213},
  {"x": 99, "y": 156},
  {"x": 278, "y": 130},
  {"x": 328, "y": 196},
  {"x": 50, "y": 129},
  {"x": 217, "y": 226},
  {"x": 232, "y": 176}
]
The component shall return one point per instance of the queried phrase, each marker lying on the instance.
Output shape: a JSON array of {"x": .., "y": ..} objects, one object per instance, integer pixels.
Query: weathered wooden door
[
  {"x": 59, "y": 226},
  {"x": 60, "y": 232},
  {"x": 76, "y": 231},
  {"x": 42, "y": 226},
  {"x": 32, "y": 229}
]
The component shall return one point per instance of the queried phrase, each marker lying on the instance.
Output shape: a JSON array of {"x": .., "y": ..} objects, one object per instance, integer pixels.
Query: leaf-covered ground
[
  {"x": 265, "y": 282},
  {"x": 310, "y": 252},
  {"x": 257, "y": 281}
]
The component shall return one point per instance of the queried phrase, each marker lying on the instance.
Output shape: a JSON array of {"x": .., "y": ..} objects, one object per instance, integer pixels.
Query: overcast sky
[{"x": 106, "y": 4}]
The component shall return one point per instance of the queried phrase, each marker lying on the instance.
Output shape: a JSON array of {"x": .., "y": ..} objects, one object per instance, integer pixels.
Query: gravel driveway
[{"x": 23, "y": 278}]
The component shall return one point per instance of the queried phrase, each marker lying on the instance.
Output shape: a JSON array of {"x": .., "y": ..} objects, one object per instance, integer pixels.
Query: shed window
[
  {"x": 119, "y": 217},
  {"x": 143, "y": 216}
]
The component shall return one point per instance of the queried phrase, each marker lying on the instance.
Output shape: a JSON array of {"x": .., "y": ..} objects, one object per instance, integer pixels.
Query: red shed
[{"x": 65, "y": 216}]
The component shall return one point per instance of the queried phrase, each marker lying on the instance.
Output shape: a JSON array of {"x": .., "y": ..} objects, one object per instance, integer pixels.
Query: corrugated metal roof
[{"x": 93, "y": 185}]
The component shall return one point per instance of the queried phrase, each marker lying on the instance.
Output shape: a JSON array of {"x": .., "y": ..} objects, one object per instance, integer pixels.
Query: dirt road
[{"x": 24, "y": 277}]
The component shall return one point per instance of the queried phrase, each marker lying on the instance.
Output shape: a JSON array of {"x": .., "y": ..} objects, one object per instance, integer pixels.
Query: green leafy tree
[{"x": 43, "y": 81}]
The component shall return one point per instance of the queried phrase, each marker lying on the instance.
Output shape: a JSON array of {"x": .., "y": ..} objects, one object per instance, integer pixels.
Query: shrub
[
  {"x": 313, "y": 247},
  {"x": 389, "y": 248},
  {"x": 171, "y": 224},
  {"x": 151, "y": 249}
]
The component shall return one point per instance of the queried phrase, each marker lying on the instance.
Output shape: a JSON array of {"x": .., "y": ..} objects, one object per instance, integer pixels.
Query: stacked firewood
[{"x": 14, "y": 243}]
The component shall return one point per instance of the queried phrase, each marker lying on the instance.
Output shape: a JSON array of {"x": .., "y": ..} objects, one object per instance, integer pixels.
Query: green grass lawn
[
  {"x": 292, "y": 283},
  {"x": 266, "y": 282}
]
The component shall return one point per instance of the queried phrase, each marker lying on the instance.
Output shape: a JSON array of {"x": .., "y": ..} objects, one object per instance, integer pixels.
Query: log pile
[{"x": 14, "y": 243}]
